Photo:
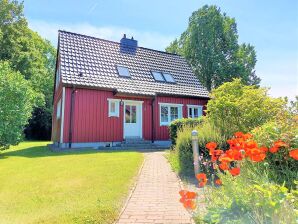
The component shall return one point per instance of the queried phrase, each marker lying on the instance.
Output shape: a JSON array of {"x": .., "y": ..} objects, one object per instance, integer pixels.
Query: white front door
[{"x": 132, "y": 119}]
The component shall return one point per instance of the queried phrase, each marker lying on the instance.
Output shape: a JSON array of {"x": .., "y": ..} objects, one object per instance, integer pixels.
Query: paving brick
[{"x": 155, "y": 198}]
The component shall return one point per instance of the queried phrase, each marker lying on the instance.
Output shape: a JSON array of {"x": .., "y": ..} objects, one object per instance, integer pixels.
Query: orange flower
[
  {"x": 224, "y": 166},
  {"x": 183, "y": 193},
  {"x": 187, "y": 199},
  {"x": 258, "y": 157},
  {"x": 247, "y": 136},
  {"x": 215, "y": 154},
  {"x": 251, "y": 144},
  {"x": 191, "y": 195},
  {"x": 256, "y": 154},
  {"x": 264, "y": 149},
  {"x": 235, "y": 143},
  {"x": 273, "y": 149},
  {"x": 234, "y": 154},
  {"x": 211, "y": 146},
  {"x": 235, "y": 171},
  {"x": 294, "y": 154},
  {"x": 190, "y": 204},
  {"x": 279, "y": 144},
  {"x": 225, "y": 158},
  {"x": 202, "y": 178},
  {"x": 239, "y": 134},
  {"x": 218, "y": 182}
]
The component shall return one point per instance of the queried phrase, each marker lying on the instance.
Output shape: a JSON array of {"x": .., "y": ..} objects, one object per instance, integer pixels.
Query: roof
[{"x": 96, "y": 60}]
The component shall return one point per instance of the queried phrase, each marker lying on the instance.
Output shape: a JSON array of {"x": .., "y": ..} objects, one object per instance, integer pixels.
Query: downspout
[
  {"x": 152, "y": 120},
  {"x": 71, "y": 116}
]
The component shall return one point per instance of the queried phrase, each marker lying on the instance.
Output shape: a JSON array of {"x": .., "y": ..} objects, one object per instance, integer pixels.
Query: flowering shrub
[
  {"x": 246, "y": 194},
  {"x": 181, "y": 158},
  {"x": 281, "y": 164}
]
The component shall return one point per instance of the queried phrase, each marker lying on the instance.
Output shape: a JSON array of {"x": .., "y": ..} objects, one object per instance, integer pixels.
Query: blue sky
[{"x": 271, "y": 26}]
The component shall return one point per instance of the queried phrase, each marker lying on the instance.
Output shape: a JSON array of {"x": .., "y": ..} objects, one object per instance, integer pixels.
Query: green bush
[
  {"x": 236, "y": 107},
  {"x": 249, "y": 198},
  {"x": 179, "y": 123},
  {"x": 282, "y": 168},
  {"x": 207, "y": 132}
]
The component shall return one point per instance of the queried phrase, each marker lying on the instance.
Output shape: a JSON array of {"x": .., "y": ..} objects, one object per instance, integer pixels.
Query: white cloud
[{"x": 148, "y": 39}]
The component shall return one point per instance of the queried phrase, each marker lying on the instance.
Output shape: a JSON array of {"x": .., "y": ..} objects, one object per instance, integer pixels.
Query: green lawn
[{"x": 40, "y": 186}]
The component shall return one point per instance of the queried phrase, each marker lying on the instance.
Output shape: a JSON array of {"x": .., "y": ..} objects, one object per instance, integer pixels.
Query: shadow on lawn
[{"x": 44, "y": 151}]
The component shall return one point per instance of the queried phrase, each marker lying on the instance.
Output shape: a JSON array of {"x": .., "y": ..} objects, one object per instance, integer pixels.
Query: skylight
[
  {"x": 158, "y": 76},
  {"x": 168, "y": 77},
  {"x": 123, "y": 71}
]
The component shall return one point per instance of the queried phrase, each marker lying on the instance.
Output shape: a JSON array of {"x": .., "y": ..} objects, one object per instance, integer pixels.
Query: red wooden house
[{"x": 108, "y": 92}]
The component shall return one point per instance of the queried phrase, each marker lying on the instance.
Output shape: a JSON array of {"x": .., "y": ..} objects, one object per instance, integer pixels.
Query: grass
[
  {"x": 41, "y": 186},
  {"x": 172, "y": 157}
]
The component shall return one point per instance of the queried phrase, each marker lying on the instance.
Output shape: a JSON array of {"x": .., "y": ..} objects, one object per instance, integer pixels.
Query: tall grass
[{"x": 181, "y": 158}]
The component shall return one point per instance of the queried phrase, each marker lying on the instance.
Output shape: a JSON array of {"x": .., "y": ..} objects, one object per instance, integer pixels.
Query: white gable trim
[{"x": 62, "y": 116}]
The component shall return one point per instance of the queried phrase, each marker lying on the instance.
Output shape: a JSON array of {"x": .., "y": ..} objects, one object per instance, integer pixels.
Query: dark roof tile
[{"x": 97, "y": 59}]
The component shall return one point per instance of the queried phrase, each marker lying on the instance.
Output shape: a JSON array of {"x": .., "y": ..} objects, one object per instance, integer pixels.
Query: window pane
[
  {"x": 58, "y": 114},
  {"x": 133, "y": 114},
  {"x": 123, "y": 71},
  {"x": 164, "y": 114},
  {"x": 113, "y": 107},
  {"x": 174, "y": 113},
  {"x": 195, "y": 112},
  {"x": 127, "y": 114},
  {"x": 158, "y": 76},
  {"x": 200, "y": 111},
  {"x": 168, "y": 77},
  {"x": 190, "y": 112}
]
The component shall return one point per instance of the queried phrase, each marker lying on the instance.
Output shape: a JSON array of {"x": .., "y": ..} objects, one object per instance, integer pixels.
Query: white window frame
[
  {"x": 161, "y": 77},
  {"x": 117, "y": 103},
  {"x": 58, "y": 110},
  {"x": 199, "y": 107},
  {"x": 119, "y": 67},
  {"x": 169, "y": 105},
  {"x": 58, "y": 76}
]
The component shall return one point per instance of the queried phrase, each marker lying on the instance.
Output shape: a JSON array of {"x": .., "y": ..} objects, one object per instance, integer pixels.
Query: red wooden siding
[
  {"x": 162, "y": 132},
  {"x": 91, "y": 122}
]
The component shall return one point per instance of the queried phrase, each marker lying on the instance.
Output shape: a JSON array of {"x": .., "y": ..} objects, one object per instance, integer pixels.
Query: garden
[
  {"x": 248, "y": 145},
  {"x": 86, "y": 186}
]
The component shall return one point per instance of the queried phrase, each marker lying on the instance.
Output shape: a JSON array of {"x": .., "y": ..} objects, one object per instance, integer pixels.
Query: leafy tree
[
  {"x": 16, "y": 100},
  {"x": 210, "y": 45},
  {"x": 238, "y": 107},
  {"x": 32, "y": 56}
]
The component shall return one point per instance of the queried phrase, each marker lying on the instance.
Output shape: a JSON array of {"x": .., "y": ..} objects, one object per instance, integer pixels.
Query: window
[
  {"x": 58, "y": 112},
  {"x": 57, "y": 76},
  {"x": 123, "y": 71},
  {"x": 194, "y": 111},
  {"x": 168, "y": 77},
  {"x": 130, "y": 114},
  {"x": 113, "y": 107},
  {"x": 158, "y": 76},
  {"x": 169, "y": 113}
]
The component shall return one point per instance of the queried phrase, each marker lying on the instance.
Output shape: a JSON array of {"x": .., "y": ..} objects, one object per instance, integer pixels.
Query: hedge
[{"x": 179, "y": 123}]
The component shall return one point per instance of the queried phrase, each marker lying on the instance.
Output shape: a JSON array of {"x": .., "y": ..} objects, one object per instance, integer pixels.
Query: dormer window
[
  {"x": 123, "y": 71},
  {"x": 158, "y": 76},
  {"x": 168, "y": 77}
]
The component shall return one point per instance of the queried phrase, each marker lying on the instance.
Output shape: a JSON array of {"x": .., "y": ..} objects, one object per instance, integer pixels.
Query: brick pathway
[{"x": 156, "y": 196}]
